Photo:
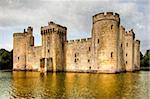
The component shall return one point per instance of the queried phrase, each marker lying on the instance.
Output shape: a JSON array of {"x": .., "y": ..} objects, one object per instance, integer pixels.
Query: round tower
[{"x": 105, "y": 41}]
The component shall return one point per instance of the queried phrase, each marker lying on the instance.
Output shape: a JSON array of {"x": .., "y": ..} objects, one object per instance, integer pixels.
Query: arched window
[
  {"x": 75, "y": 60},
  {"x": 127, "y": 44},
  {"x": 75, "y": 55},
  {"x": 89, "y": 49},
  {"x": 90, "y": 67},
  {"x": 111, "y": 54},
  {"x": 98, "y": 41},
  {"x": 121, "y": 45},
  {"x": 111, "y": 26}
]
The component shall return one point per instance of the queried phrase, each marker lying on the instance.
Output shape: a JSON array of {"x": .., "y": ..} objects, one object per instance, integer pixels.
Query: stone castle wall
[
  {"x": 78, "y": 55},
  {"x": 129, "y": 51},
  {"x": 34, "y": 54},
  {"x": 110, "y": 49},
  {"x": 121, "y": 51},
  {"x": 19, "y": 52}
]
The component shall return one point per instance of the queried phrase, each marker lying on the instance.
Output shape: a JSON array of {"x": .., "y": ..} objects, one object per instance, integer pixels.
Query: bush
[
  {"x": 6, "y": 59},
  {"x": 145, "y": 60}
]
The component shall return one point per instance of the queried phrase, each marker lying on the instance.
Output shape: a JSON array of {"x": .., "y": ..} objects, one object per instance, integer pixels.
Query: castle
[{"x": 110, "y": 49}]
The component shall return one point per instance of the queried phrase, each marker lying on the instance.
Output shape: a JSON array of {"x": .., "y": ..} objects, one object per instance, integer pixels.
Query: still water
[{"x": 28, "y": 85}]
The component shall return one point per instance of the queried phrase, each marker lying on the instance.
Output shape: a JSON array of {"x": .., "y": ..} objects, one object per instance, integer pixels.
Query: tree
[
  {"x": 145, "y": 61},
  {"x": 6, "y": 59}
]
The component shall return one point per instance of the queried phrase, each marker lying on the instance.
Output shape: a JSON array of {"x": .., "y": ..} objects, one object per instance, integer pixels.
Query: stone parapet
[
  {"x": 79, "y": 40},
  {"x": 106, "y": 16}
]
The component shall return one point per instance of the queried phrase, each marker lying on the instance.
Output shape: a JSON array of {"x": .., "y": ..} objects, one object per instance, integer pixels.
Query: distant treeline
[
  {"x": 145, "y": 59},
  {"x": 6, "y": 59}
]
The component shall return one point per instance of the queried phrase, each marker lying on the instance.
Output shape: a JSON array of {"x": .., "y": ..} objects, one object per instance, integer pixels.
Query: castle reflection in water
[{"x": 77, "y": 85}]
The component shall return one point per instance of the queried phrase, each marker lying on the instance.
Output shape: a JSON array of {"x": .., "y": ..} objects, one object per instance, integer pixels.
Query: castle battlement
[
  {"x": 30, "y": 29},
  {"x": 79, "y": 40},
  {"x": 106, "y": 16},
  {"x": 49, "y": 31},
  {"x": 130, "y": 33},
  {"x": 137, "y": 42},
  {"x": 52, "y": 27},
  {"x": 122, "y": 27},
  {"x": 18, "y": 34}
]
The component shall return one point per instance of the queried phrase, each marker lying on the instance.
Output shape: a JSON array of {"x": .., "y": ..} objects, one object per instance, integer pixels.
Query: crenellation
[
  {"x": 51, "y": 23},
  {"x": 130, "y": 34},
  {"x": 88, "y": 39},
  {"x": 83, "y": 40},
  {"x": 109, "y": 13},
  {"x": 71, "y": 41},
  {"x": 117, "y": 15},
  {"x": 29, "y": 28},
  {"x": 106, "y": 16},
  {"x": 110, "y": 49},
  {"x": 79, "y": 40},
  {"x": 53, "y": 28},
  {"x": 122, "y": 27},
  {"x": 18, "y": 34},
  {"x": 138, "y": 42}
]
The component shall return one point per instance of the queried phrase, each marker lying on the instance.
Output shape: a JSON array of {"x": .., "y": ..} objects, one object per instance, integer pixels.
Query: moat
[{"x": 74, "y": 85}]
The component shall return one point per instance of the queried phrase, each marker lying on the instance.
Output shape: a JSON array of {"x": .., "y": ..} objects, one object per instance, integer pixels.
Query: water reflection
[{"x": 76, "y": 85}]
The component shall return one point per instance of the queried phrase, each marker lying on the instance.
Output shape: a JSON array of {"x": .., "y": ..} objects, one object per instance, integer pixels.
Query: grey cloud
[
  {"x": 20, "y": 4},
  {"x": 75, "y": 14}
]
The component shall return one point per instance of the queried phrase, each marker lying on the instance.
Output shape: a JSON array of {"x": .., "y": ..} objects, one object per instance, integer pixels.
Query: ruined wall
[
  {"x": 105, "y": 40},
  {"x": 19, "y": 52},
  {"x": 78, "y": 55},
  {"x": 129, "y": 50}
]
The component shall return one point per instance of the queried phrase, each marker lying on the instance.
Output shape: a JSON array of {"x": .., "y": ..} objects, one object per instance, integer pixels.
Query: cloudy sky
[{"x": 76, "y": 15}]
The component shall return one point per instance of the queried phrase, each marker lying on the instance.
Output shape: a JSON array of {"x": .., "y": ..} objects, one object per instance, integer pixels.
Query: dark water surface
[{"x": 28, "y": 85}]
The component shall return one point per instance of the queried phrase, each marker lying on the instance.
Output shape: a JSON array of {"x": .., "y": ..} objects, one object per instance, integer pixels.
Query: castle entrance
[
  {"x": 42, "y": 64},
  {"x": 49, "y": 64}
]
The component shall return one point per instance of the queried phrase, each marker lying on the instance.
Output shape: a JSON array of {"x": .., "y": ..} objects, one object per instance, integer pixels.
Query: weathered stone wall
[
  {"x": 136, "y": 55},
  {"x": 33, "y": 57},
  {"x": 78, "y": 55},
  {"x": 129, "y": 50},
  {"x": 121, "y": 61},
  {"x": 19, "y": 52},
  {"x": 105, "y": 40},
  {"x": 53, "y": 38}
]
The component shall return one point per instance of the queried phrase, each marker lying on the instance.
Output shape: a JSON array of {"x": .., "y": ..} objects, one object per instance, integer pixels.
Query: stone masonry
[{"x": 110, "y": 49}]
